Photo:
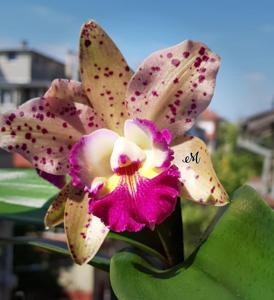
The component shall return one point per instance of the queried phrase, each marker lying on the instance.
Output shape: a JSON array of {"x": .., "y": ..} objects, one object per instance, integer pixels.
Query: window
[
  {"x": 11, "y": 56},
  {"x": 5, "y": 97}
]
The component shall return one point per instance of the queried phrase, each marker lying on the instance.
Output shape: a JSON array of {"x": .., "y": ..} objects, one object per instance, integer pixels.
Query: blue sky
[{"x": 241, "y": 32}]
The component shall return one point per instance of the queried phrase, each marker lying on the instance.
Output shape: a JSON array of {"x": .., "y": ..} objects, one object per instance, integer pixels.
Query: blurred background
[{"x": 38, "y": 42}]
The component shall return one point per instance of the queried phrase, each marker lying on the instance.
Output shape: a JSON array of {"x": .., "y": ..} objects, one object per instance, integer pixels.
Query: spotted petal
[
  {"x": 70, "y": 90},
  {"x": 199, "y": 180},
  {"x": 173, "y": 86},
  {"x": 85, "y": 232},
  {"x": 44, "y": 129},
  {"x": 55, "y": 213},
  {"x": 104, "y": 74}
]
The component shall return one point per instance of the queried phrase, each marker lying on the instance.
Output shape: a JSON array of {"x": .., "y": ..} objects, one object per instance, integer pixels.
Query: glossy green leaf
[
  {"x": 235, "y": 262},
  {"x": 54, "y": 246},
  {"x": 24, "y": 195}
]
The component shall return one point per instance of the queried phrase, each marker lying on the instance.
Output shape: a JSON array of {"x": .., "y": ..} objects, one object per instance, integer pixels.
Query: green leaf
[
  {"x": 24, "y": 195},
  {"x": 235, "y": 262},
  {"x": 54, "y": 246}
]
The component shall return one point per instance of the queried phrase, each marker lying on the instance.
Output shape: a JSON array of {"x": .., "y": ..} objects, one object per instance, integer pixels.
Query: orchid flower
[{"x": 121, "y": 138}]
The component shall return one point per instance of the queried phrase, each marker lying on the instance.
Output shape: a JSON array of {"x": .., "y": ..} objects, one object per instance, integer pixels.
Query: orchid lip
[{"x": 138, "y": 160}]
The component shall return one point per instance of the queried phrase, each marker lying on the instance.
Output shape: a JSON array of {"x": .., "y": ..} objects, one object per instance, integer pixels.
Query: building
[
  {"x": 208, "y": 122},
  {"x": 25, "y": 74},
  {"x": 257, "y": 136}
]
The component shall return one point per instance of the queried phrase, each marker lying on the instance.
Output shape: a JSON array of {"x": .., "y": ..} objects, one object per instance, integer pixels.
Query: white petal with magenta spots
[
  {"x": 173, "y": 86},
  {"x": 85, "y": 232},
  {"x": 43, "y": 130},
  {"x": 199, "y": 180},
  {"x": 104, "y": 74}
]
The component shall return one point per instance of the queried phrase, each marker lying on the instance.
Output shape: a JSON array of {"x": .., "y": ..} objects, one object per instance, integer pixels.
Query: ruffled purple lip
[{"x": 149, "y": 203}]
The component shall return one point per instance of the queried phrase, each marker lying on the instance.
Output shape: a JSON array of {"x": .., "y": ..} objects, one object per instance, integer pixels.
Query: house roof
[
  {"x": 30, "y": 51},
  {"x": 209, "y": 115},
  {"x": 259, "y": 123},
  {"x": 33, "y": 84}
]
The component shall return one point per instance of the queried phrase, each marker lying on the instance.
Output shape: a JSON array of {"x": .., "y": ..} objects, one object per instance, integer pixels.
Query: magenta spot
[
  {"x": 197, "y": 62},
  {"x": 186, "y": 54},
  {"x": 175, "y": 62},
  {"x": 12, "y": 117},
  {"x": 169, "y": 55},
  {"x": 154, "y": 93},
  {"x": 202, "y": 70},
  {"x": 87, "y": 43},
  {"x": 172, "y": 120},
  {"x": 205, "y": 58},
  {"x": 202, "y": 51},
  {"x": 28, "y": 136},
  {"x": 177, "y": 102},
  {"x": 201, "y": 78},
  {"x": 176, "y": 80}
]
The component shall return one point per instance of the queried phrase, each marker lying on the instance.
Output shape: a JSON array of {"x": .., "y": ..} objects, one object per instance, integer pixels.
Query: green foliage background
[{"x": 234, "y": 166}]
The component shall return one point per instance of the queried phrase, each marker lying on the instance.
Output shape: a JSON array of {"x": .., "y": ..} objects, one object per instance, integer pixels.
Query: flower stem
[
  {"x": 139, "y": 245},
  {"x": 165, "y": 247}
]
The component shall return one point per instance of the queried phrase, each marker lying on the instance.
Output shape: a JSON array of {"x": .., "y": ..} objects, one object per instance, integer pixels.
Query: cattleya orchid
[{"x": 121, "y": 138}]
